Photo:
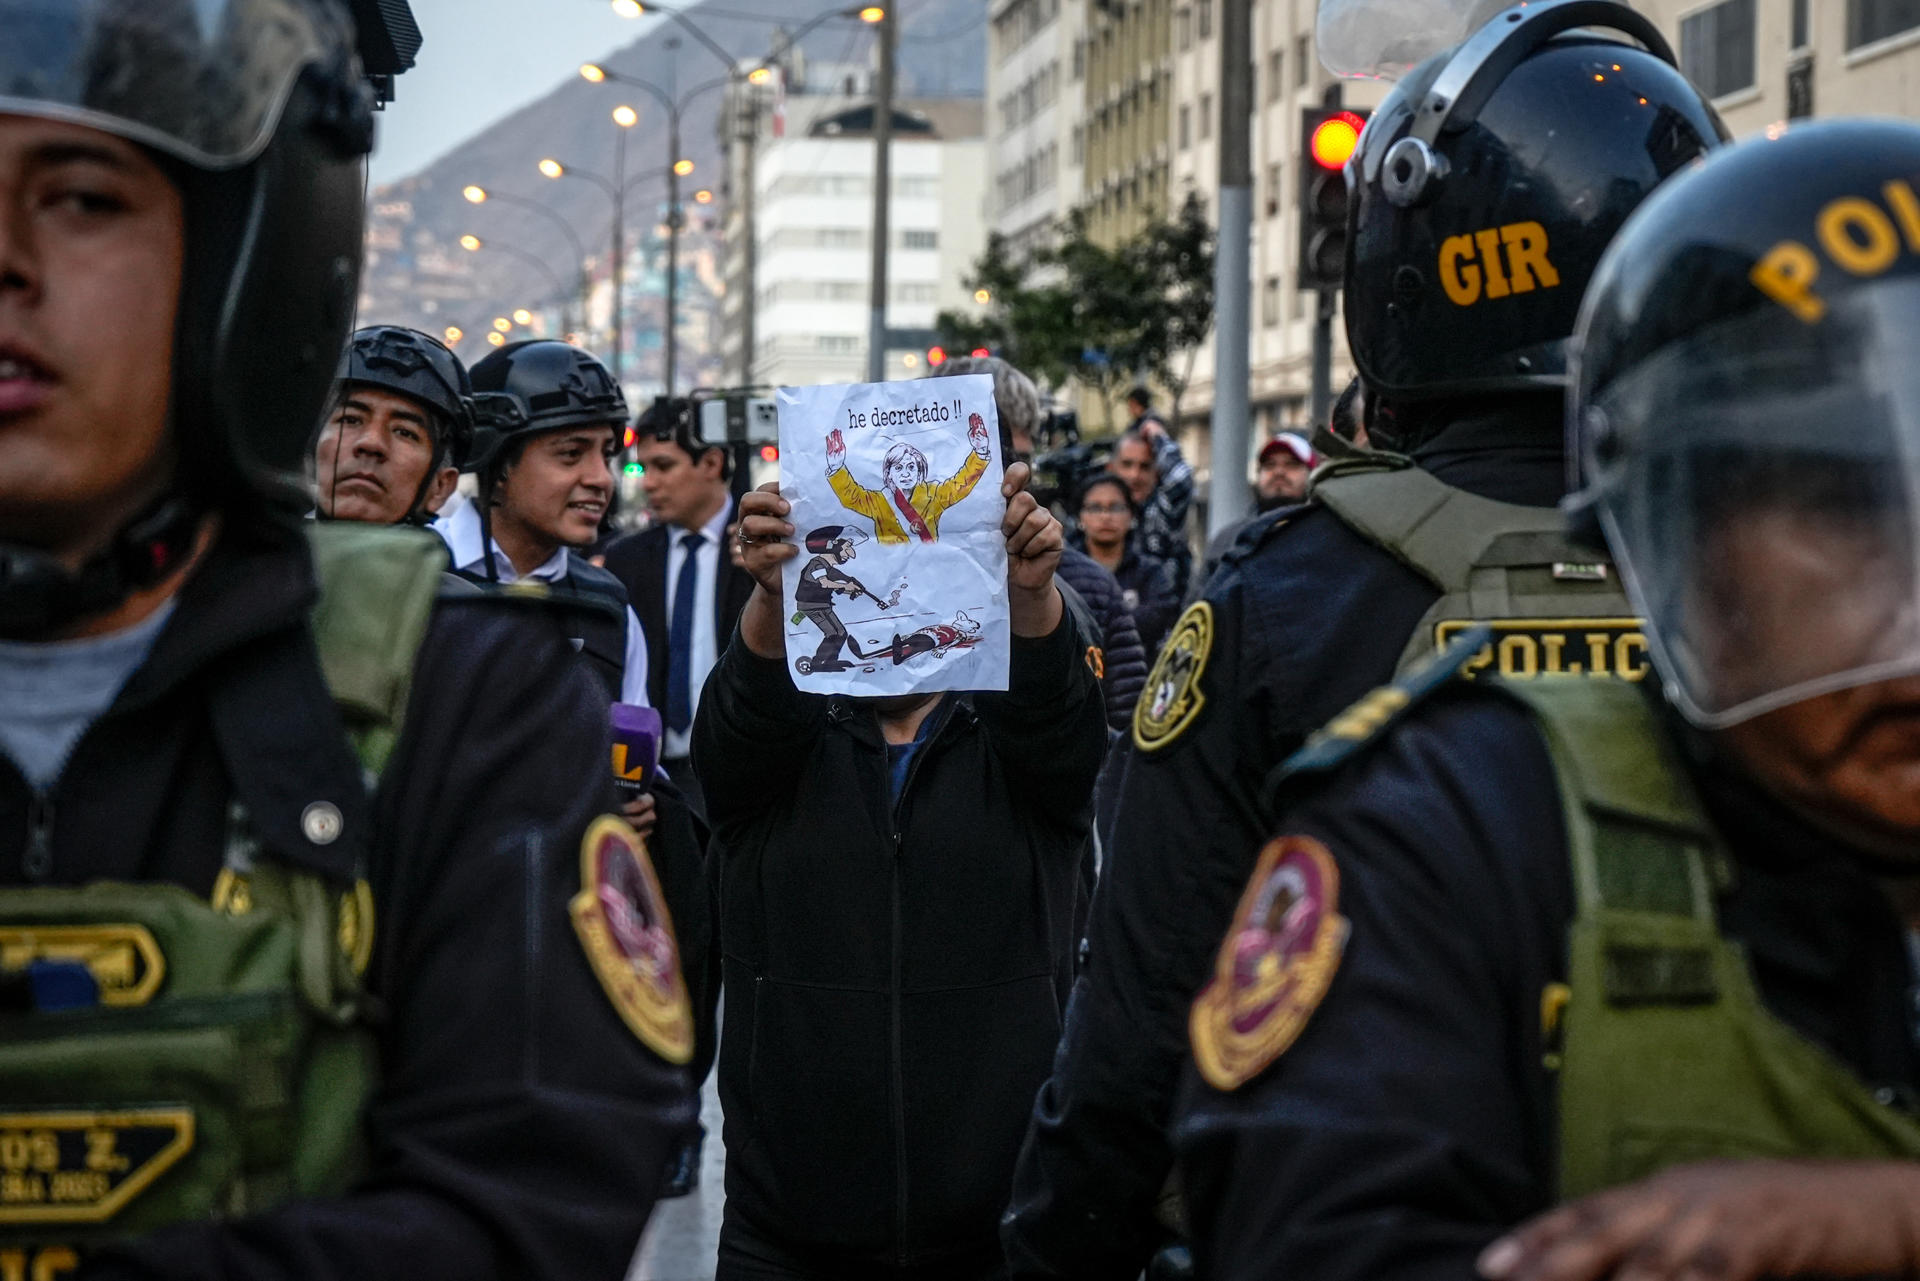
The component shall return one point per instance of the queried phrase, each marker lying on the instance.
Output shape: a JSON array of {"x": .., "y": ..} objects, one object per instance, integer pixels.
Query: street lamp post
[
  {"x": 678, "y": 167},
  {"x": 616, "y": 191},
  {"x": 474, "y": 244},
  {"x": 479, "y": 195}
]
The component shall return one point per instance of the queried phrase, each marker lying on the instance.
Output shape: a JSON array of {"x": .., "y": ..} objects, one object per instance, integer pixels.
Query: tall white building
[
  {"x": 1036, "y": 61},
  {"x": 813, "y": 189}
]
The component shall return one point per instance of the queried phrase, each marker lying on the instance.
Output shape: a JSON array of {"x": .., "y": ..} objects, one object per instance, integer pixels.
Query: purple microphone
[{"x": 636, "y": 748}]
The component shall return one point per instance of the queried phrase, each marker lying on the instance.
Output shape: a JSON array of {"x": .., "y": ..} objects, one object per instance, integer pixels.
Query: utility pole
[
  {"x": 1228, "y": 501},
  {"x": 1320, "y": 397},
  {"x": 749, "y": 138},
  {"x": 671, "y": 337},
  {"x": 619, "y": 253},
  {"x": 882, "y": 195}
]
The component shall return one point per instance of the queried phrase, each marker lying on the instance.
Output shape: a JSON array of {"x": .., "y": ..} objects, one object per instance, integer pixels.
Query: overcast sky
[{"x": 484, "y": 59}]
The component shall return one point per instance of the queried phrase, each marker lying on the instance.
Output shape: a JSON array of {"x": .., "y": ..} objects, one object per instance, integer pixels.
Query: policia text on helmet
[
  {"x": 398, "y": 432},
  {"x": 1485, "y": 189},
  {"x": 266, "y": 164}
]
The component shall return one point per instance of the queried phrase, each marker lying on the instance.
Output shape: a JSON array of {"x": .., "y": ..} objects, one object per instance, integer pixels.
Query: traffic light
[
  {"x": 1328, "y": 136},
  {"x": 936, "y": 356}
]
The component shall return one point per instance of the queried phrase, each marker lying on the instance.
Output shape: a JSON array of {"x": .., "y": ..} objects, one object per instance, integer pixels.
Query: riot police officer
[
  {"x": 272, "y": 816},
  {"x": 1564, "y": 941},
  {"x": 399, "y": 430},
  {"x": 545, "y": 484},
  {"x": 1484, "y": 190}
]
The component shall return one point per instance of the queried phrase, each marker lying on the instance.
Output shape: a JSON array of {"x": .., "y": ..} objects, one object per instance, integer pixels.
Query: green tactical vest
[
  {"x": 1667, "y": 1054},
  {"x": 226, "y": 1064},
  {"x": 1555, "y": 608}
]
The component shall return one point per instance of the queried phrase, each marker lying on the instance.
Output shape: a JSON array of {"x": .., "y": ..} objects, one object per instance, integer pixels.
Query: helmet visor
[
  {"x": 1760, "y": 485},
  {"x": 201, "y": 80}
]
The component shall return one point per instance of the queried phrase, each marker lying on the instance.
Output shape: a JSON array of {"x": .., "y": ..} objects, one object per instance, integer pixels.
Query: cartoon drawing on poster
[{"x": 900, "y": 586}]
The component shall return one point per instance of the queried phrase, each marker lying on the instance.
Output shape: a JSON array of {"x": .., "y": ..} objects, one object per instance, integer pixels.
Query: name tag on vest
[{"x": 84, "y": 1167}]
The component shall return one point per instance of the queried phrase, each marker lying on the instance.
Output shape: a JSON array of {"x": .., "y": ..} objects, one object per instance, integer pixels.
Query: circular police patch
[
  {"x": 621, "y": 918},
  {"x": 1172, "y": 698},
  {"x": 1274, "y": 968}
]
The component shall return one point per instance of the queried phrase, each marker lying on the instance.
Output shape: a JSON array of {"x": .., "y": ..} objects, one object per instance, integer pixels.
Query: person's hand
[
  {"x": 1153, "y": 428},
  {"x": 640, "y": 814},
  {"x": 759, "y": 541},
  {"x": 836, "y": 451},
  {"x": 733, "y": 545},
  {"x": 977, "y": 435},
  {"x": 1034, "y": 539},
  {"x": 1727, "y": 1221}
]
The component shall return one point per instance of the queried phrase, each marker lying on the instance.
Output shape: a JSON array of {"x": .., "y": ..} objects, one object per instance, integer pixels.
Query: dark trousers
[{"x": 759, "y": 1262}]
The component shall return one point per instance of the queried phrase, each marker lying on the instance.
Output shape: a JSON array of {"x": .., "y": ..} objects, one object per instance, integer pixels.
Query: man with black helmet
[
  {"x": 272, "y": 816},
  {"x": 1483, "y": 191},
  {"x": 398, "y": 431},
  {"x": 1562, "y": 943},
  {"x": 545, "y": 482}
]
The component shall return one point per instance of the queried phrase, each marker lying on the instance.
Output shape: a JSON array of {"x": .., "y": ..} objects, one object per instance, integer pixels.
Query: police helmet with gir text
[{"x": 1489, "y": 182}]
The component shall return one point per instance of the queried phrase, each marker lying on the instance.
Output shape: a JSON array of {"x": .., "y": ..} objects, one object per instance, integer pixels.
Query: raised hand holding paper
[{"x": 901, "y": 584}]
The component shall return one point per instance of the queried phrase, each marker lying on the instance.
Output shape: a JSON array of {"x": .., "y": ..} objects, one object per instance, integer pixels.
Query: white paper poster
[{"x": 901, "y": 582}]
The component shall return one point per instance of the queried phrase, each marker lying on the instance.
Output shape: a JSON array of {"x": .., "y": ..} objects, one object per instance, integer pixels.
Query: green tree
[{"x": 1028, "y": 322}]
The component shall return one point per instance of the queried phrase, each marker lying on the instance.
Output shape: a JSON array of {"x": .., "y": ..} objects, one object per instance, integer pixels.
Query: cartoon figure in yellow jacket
[{"x": 907, "y": 508}]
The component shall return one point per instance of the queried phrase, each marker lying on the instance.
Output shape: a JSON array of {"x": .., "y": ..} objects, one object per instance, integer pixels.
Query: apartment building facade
[{"x": 1036, "y": 67}]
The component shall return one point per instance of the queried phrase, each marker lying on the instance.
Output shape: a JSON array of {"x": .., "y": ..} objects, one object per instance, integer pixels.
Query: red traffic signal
[
  {"x": 981, "y": 352},
  {"x": 627, "y": 441},
  {"x": 769, "y": 453},
  {"x": 1335, "y": 139},
  {"x": 936, "y": 355}
]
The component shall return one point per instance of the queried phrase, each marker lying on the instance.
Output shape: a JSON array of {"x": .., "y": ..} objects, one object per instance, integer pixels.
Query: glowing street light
[
  {"x": 759, "y": 75},
  {"x": 496, "y": 340},
  {"x": 522, "y": 317},
  {"x": 628, "y": 8},
  {"x": 873, "y": 13},
  {"x": 551, "y": 168},
  {"x": 683, "y": 167},
  {"x": 501, "y": 325},
  {"x": 471, "y": 243},
  {"x": 592, "y": 72},
  {"x": 453, "y": 334},
  {"x": 476, "y": 195},
  {"x": 982, "y": 297},
  {"x": 626, "y": 117},
  {"x": 703, "y": 197}
]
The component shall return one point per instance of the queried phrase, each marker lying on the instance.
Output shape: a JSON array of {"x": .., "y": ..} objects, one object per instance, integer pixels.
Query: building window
[
  {"x": 1183, "y": 30},
  {"x": 920, "y": 240},
  {"x": 1801, "y": 36},
  {"x": 1871, "y": 20},
  {"x": 1079, "y": 152},
  {"x": 1270, "y": 302},
  {"x": 1273, "y": 191},
  {"x": 1205, "y": 8},
  {"x": 1186, "y": 126},
  {"x": 1079, "y": 58},
  {"x": 1302, "y": 63},
  {"x": 1276, "y": 74},
  {"x": 1206, "y": 116},
  {"x": 1716, "y": 48},
  {"x": 838, "y": 344}
]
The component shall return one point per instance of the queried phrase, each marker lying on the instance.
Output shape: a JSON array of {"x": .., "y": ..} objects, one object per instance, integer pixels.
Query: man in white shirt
[{"x": 542, "y": 455}]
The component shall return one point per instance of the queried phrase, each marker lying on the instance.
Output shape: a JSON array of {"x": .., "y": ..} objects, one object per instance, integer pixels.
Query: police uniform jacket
[
  {"x": 519, "y": 1128},
  {"x": 894, "y": 971},
  {"x": 1413, "y": 1120},
  {"x": 1307, "y": 616}
]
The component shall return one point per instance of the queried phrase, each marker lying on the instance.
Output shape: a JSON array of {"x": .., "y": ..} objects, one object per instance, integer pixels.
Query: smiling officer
[{"x": 320, "y": 955}]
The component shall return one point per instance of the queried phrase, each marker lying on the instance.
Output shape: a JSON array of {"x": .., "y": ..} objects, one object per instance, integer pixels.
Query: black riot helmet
[
  {"x": 1745, "y": 418},
  {"x": 1486, "y": 187},
  {"x": 556, "y": 384},
  {"x": 420, "y": 367},
  {"x": 259, "y": 111}
]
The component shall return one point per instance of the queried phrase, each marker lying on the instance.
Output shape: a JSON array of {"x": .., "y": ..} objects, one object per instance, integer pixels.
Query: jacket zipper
[
  {"x": 36, "y": 862},
  {"x": 896, "y": 997}
]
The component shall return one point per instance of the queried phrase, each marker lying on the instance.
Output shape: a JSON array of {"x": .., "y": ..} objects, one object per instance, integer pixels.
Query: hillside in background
[{"x": 417, "y": 274}]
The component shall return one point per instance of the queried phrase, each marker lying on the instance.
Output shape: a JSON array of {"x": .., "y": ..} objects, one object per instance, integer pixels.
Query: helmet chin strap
[{"x": 39, "y": 594}]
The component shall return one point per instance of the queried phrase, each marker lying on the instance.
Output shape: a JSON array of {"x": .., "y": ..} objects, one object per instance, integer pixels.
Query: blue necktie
[{"x": 680, "y": 638}]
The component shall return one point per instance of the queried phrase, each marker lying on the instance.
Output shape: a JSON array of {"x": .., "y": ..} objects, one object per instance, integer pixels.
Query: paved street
[{"x": 680, "y": 1240}]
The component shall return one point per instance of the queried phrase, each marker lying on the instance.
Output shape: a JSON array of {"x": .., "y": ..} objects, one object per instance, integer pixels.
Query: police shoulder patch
[
  {"x": 622, "y": 920},
  {"x": 1172, "y": 699},
  {"x": 1276, "y": 964}
]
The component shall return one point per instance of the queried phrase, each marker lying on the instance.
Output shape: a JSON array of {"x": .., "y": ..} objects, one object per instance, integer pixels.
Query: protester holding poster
[
  {"x": 899, "y": 875},
  {"x": 902, "y": 478}
]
